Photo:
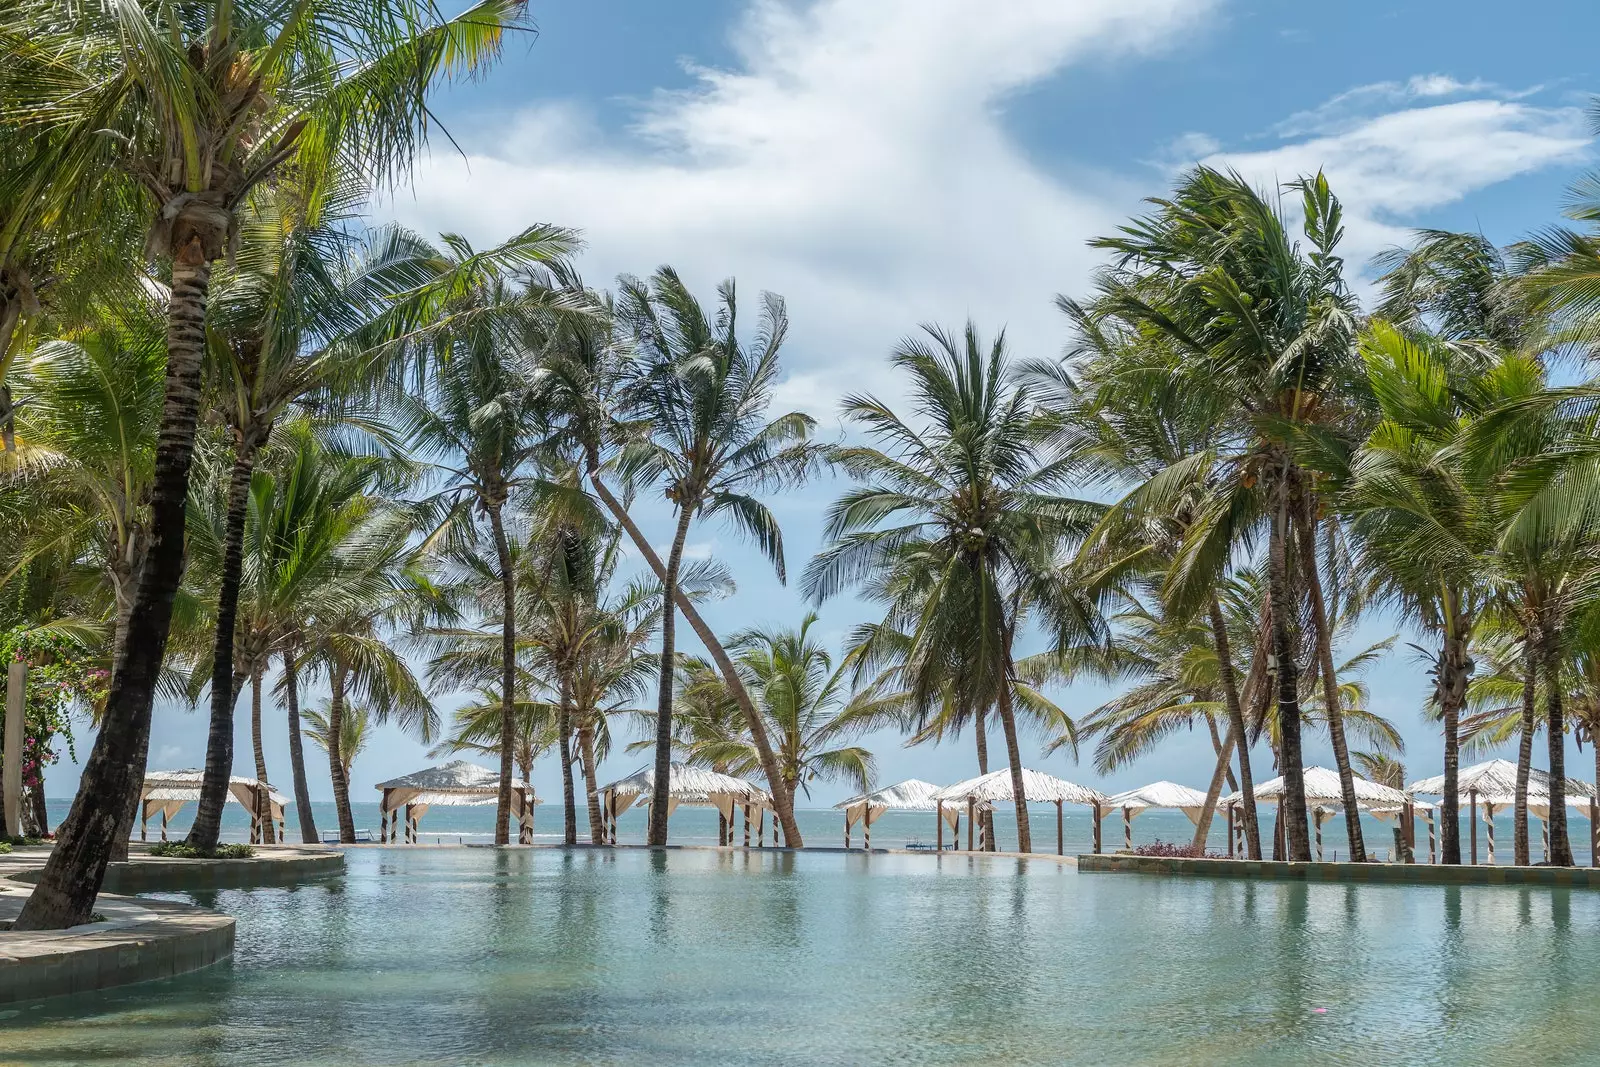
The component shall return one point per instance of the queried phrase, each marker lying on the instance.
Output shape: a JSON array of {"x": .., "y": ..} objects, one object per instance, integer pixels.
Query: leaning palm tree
[
  {"x": 704, "y": 394},
  {"x": 959, "y": 521},
  {"x": 198, "y": 105}
]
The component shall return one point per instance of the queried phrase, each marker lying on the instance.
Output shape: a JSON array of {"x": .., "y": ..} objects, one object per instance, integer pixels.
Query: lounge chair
[{"x": 331, "y": 837}]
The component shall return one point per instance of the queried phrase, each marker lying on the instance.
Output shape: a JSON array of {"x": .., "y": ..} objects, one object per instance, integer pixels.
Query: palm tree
[
  {"x": 959, "y": 522},
  {"x": 1243, "y": 314},
  {"x": 803, "y": 695},
  {"x": 479, "y": 416},
  {"x": 199, "y": 105},
  {"x": 351, "y": 733},
  {"x": 704, "y": 395},
  {"x": 476, "y": 727}
]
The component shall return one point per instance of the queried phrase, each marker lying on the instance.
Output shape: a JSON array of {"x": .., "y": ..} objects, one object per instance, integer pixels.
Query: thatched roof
[
  {"x": 1161, "y": 795},
  {"x": 1322, "y": 787},
  {"x": 685, "y": 785},
  {"x": 913, "y": 794},
  {"x": 182, "y": 787},
  {"x": 1495, "y": 782},
  {"x": 1037, "y": 787},
  {"x": 457, "y": 784}
]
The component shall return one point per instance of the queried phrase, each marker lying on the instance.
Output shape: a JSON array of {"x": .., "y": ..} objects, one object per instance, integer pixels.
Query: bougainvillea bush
[
  {"x": 1173, "y": 850},
  {"x": 61, "y": 676}
]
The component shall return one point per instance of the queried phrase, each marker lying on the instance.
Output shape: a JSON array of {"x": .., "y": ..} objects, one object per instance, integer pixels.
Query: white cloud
[
  {"x": 854, "y": 161},
  {"x": 1389, "y": 168}
]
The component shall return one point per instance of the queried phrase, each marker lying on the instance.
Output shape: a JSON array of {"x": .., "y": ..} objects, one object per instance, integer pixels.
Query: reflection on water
[{"x": 428, "y": 957}]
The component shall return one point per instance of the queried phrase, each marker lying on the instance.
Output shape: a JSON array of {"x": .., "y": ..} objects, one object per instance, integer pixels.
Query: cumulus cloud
[
  {"x": 853, "y": 157},
  {"x": 853, "y": 160},
  {"x": 1390, "y": 167}
]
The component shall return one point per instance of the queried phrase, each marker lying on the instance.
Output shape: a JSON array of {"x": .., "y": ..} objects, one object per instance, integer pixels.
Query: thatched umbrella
[
  {"x": 695, "y": 786},
  {"x": 1323, "y": 792},
  {"x": 1167, "y": 795},
  {"x": 167, "y": 792},
  {"x": 457, "y": 784},
  {"x": 1493, "y": 784},
  {"x": 1037, "y": 788},
  {"x": 913, "y": 794}
]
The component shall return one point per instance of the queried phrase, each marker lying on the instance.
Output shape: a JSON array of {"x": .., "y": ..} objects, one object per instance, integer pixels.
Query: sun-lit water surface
[{"x": 475, "y": 956}]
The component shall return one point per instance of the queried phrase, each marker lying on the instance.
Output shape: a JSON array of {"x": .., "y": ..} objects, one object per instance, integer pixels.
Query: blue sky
[{"x": 904, "y": 161}]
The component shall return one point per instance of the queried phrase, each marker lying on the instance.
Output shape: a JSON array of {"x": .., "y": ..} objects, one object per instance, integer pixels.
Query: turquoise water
[
  {"x": 698, "y": 826},
  {"x": 487, "y": 957}
]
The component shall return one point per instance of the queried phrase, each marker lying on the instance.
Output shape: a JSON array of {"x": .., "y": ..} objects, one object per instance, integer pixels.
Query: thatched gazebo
[
  {"x": 166, "y": 792},
  {"x": 456, "y": 784},
  {"x": 694, "y": 786},
  {"x": 985, "y": 791},
  {"x": 913, "y": 794},
  {"x": 1324, "y": 799},
  {"x": 1493, "y": 785},
  {"x": 1162, "y": 795}
]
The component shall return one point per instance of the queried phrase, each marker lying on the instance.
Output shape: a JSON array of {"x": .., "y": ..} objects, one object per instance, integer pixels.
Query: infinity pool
[{"x": 473, "y": 956}]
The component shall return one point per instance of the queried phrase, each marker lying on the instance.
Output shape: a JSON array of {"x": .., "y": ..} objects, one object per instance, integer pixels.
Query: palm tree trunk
[
  {"x": 1236, "y": 730},
  {"x": 782, "y": 798},
  {"x": 67, "y": 887},
  {"x": 1555, "y": 727},
  {"x": 10, "y": 315},
  {"x": 267, "y": 829},
  {"x": 1225, "y": 758},
  {"x": 1521, "y": 853},
  {"x": 591, "y": 783},
  {"x": 564, "y": 730},
  {"x": 1306, "y": 538},
  {"x": 980, "y": 735},
  {"x": 1452, "y": 683},
  {"x": 341, "y": 784},
  {"x": 224, "y": 688},
  {"x": 657, "y": 834},
  {"x": 508, "y": 674},
  {"x": 297, "y": 755},
  {"x": 121, "y": 579},
  {"x": 1292, "y": 807},
  {"x": 1008, "y": 726}
]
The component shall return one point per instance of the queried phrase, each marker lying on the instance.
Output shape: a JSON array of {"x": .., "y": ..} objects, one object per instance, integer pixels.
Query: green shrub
[
  {"x": 5, "y": 846},
  {"x": 185, "y": 851}
]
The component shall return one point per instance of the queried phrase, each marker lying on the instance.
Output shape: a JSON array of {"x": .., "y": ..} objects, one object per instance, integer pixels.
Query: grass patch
[{"x": 185, "y": 851}]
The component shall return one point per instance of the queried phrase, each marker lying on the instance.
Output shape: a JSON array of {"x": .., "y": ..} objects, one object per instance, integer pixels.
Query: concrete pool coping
[
  {"x": 139, "y": 940},
  {"x": 1349, "y": 873}
]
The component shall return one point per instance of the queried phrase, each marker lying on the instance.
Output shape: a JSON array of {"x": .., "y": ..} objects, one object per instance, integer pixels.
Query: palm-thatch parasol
[
  {"x": 1166, "y": 795},
  {"x": 168, "y": 791},
  {"x": 1325, "y": 798},
  {"x": 913, "y": 794},
  {"x": 695, "y": 786},
  {"x": 1493, "y": 784},
  {"x": 987, "y": 790},
  {"x": 453, "y": 785}
]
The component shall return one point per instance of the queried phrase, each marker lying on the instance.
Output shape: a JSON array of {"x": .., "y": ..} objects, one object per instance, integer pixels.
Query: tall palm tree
[
  {"x": 704, "y": 394},
  {"x": 480, "y": 418},
  {"x": 1247, "y": 315},
  {"x": 199, "y": 105},
  {"x": 960, "y": 507}
]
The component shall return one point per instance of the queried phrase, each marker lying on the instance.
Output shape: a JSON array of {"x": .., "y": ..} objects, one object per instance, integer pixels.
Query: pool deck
[
  {"x": 138, "y": 940},
  {"x": 1350, "y": 873}
]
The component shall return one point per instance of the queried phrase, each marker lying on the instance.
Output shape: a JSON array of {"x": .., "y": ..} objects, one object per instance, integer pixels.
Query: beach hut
[
  {"x": 912, "y": 794},
  {"x": 695, "y": 786},
  {"x": 454, "y": 785},
  {"x": 166, "y": 792},
  {"x": 1324, "y": 798},
  {"x": 1163, "y": 795},
  {"x": 985, "y": 791},
  {"x": 1492, "y": 786}
]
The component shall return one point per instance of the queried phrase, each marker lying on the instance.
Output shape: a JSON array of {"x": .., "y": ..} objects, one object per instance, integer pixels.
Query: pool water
[{"x": 486, "y": 957}]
